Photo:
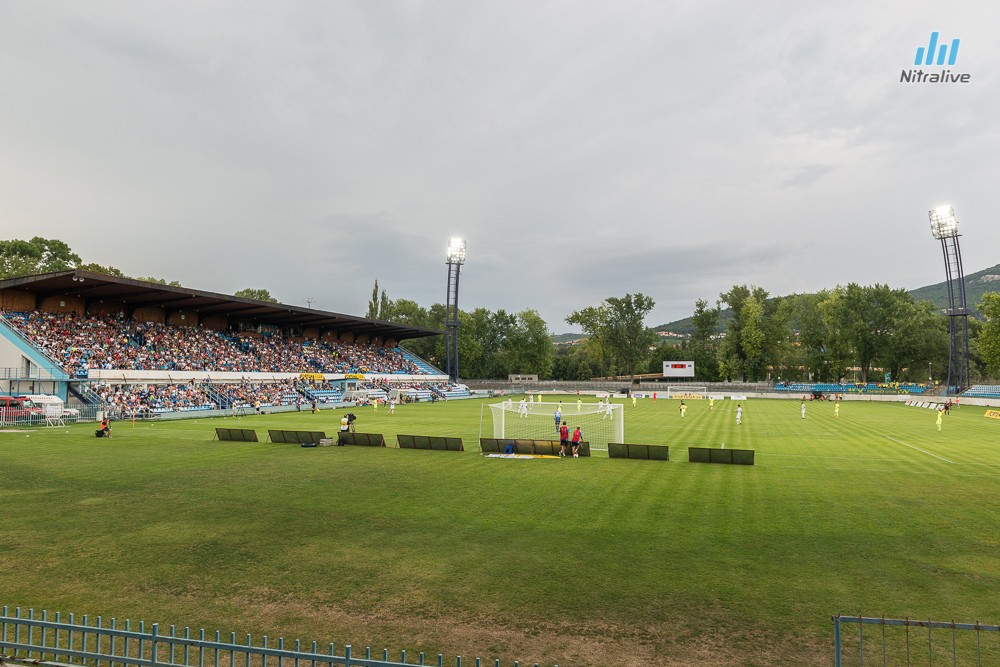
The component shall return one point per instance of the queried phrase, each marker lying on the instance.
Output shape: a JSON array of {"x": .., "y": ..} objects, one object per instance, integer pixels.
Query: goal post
[
  {"x": 600, "y": 422},
  {"x": 686, "y": 391}
]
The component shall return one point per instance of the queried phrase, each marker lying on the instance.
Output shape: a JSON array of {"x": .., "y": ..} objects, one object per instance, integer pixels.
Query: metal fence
[
  {"x": 894, "y": 641},
  {"x": 41, "y": 640},
  {"x": 83, "y": 413}
]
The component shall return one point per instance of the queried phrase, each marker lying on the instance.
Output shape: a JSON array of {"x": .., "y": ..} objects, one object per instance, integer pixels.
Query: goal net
[
  {"x": 687, "y": 391},
  {"x": 600, "y": 422}
]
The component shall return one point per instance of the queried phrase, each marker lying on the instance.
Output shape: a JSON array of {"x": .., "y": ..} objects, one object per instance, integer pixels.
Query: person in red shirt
[
  {"x": 577, "y": 438},
  {"x": 563, "y": 439}
]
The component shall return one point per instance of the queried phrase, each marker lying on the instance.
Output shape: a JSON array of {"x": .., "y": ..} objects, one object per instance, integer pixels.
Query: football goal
[
  {"x": 689, "y": 391},
  {"x": 600, "y": 422}
]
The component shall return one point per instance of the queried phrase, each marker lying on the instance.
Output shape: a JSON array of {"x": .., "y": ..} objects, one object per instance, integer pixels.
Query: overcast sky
[{"x": 583, "y": 149}]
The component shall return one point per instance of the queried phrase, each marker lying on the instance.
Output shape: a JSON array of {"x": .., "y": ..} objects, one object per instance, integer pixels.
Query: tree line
[
  {"x": 40, "y": 255},
  {"x": 828, "y": 336},
  {"x": 848, "y": 333}
]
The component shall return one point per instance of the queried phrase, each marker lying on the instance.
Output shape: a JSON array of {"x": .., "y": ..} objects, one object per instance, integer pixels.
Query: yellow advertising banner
[
  {"x": 687, "y": 397},
  {"x": 311, "y": 376},
  {"x": 992, "y": 414},
  {"x": 354, "y": 376}
]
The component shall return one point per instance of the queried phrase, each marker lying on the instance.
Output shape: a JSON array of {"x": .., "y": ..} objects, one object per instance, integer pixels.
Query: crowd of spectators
[
  {"x": 124, "y": 401},
  {"x": 855, "y": 387},
  {"x": 79, "y": 344},
  {"x": 143, "y": 400}
]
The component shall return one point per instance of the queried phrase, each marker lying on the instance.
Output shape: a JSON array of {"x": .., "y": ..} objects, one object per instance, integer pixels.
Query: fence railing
[
  {"x": 895, "y": 641},
  {"x": 45, "y": 640}
]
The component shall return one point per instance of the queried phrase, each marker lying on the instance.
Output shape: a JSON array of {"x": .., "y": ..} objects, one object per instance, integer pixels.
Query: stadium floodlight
[
  {"x": 944, "y": 224},
  {"x": 456, "y": 257},
  {"x": 456, "y": 251}
]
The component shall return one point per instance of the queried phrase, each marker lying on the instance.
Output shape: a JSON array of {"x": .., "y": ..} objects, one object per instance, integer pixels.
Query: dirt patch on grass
[{"x": 530, "y": 640}]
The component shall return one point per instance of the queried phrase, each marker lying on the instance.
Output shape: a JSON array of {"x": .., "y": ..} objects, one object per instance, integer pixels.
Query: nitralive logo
[{"x": 935, "y": 55}]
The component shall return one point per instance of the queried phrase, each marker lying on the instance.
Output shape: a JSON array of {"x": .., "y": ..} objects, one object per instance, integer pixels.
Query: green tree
[
  {"x": 571, "y": 362},
  {"x": 702, "y": 345},
  {"x": 594, "y": 322},
  {"x": 919, "y": 337},
  {"x": 869, "y": 317},
  {"x": 627, "y": 334},
  {"x": 106, "y": 270},
  {"x": 531, "y": 348},
  {"x": 430, "y": 348},
  {"x": 988, "y": 340},
  {"x": 24, "y": 258},
  {"x": 732, "y": 354},
  {"x": 256, "y": 294},
  {"x": 377, "y": 303},
  {"x": 160, "y": 281},
  {"x": 405, "y": 311},
  {"x": 668, "y": 351}
]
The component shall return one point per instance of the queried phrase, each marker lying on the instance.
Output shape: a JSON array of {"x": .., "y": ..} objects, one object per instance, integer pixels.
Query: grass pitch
[{"x": 580, "y": 562}]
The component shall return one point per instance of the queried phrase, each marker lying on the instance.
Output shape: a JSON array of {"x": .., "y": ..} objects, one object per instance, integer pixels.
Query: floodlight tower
[
  {"x": 456, "y": 257},
  {"x": 944, "y": 226}
]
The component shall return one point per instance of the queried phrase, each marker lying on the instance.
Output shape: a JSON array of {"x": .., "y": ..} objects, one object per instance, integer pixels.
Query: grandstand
[
  {"x": 982, "y": 391},
  {"x": 852, "y": 388},
  {"x": 148, "y": 349}
]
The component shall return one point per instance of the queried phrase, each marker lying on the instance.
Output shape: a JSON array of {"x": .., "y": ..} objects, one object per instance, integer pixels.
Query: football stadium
[
  {"x": 681, "y": 346},
  {"x": 231, "y": 494}
]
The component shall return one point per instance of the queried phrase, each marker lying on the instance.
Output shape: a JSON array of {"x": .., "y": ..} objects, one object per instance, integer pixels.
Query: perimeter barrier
[
  {"x": 236, "y": 434},
  {"x": 708, "y": 455},
  {"x": 31, "y": 640},
  {"x": 895, "y": 641},
  {"x": 438, "y": 443},
  {"x": 362, "y": 439},
  {"x": 622, "y": 450}
]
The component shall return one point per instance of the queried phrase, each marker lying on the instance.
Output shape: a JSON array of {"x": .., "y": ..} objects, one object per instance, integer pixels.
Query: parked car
[
  {"x": 52, "y": 407},
  {"x": 19, "y": 410}
]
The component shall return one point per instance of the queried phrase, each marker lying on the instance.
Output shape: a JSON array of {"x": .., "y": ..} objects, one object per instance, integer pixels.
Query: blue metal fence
[
  {"x": 44, "y": 640},
  {"x": 896, "y": 641}
]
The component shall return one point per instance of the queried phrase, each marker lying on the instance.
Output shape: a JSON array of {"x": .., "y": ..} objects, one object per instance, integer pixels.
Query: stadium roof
[{"x": 92, "y": 286}]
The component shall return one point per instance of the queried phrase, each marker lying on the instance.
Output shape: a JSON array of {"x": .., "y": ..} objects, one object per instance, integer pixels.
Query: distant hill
[
  {"x": 562, "y": 339},
  {"x": 976, "y": 284}
]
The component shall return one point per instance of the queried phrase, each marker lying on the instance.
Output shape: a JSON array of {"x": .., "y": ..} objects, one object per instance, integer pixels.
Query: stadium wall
[
  {"x": 150, "y": 314},
  {"x": 17, "y": 300},
  {"x": 63, "y": 304}
]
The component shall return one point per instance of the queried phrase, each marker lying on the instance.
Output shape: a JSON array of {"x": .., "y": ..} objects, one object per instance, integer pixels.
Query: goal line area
[
  {"x": 686, "y": 391},
  {"x": 600, "y": 423}
]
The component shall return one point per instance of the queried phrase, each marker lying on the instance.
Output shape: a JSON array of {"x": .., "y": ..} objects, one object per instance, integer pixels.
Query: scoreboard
[{"x": 678, "y": 369}]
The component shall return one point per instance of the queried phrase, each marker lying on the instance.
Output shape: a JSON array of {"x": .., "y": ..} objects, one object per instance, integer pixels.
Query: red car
[{"x": 18, "y": 410}]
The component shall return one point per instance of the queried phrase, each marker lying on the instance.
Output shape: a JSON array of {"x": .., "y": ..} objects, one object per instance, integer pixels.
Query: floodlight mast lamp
[
  {"x": 944, "y": 227},
  {"x": 456, "y": 257}
]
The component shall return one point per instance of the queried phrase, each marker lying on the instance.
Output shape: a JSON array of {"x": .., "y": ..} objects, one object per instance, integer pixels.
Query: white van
[{"x": 53, "y": 407}]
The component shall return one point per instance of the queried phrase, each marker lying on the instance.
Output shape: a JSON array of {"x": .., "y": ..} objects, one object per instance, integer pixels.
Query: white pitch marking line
[{"x": 922, "y": 450}]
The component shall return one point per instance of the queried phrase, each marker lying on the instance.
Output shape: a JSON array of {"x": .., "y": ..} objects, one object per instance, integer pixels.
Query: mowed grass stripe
[{"x": 442, "y": 551}]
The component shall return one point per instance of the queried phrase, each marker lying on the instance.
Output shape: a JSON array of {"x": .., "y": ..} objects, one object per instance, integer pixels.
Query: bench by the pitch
[
  {"x": 296, "y": 437},
  {"x": 535, "y": 447},
  {"x": 438, "y": 443},
  {"x": 620, "y": 450},
  {"x": 362, "y": 439},
  {"x": 742, "y": 457},
  {"x": 236, "y": 434}
]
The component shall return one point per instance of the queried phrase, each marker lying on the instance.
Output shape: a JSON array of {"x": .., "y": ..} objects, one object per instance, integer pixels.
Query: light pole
[
  {"x": 944, "y": 227},
  {"x": 456, "y": 257}
]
